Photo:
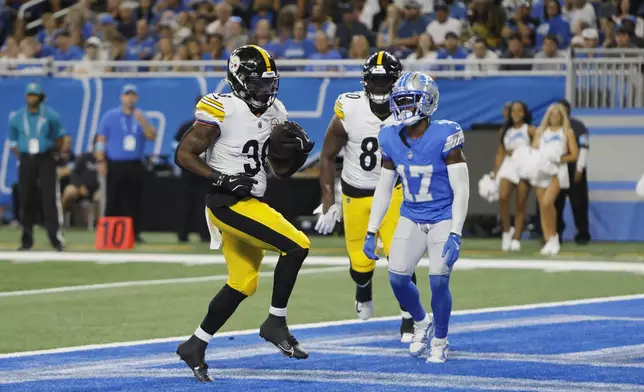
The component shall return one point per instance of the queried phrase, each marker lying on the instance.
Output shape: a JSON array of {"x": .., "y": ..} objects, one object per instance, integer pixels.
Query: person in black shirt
[
  {"x": 578, "y": 191},
  {"x": 192, "y": 199},
  {"x": 83, "y": 180}
]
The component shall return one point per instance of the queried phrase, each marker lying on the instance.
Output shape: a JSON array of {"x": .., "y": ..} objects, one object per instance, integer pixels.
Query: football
[{"x": 289, "y": 146}]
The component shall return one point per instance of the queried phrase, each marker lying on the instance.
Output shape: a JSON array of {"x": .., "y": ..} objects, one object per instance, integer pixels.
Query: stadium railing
[
  {"x": 597, "y": 78},
  {"x": 33, "y": 24}
]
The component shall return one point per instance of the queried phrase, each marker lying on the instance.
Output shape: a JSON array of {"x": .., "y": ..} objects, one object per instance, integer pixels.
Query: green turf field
[{"x": 33, "y": 321}]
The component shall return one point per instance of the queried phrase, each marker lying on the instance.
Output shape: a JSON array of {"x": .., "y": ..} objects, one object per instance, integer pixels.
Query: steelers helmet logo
[{"x": 233, "y": 64}]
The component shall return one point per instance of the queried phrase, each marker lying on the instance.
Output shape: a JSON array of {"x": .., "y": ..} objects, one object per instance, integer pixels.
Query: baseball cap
[
  {"x": 130, "y": 88},
  {"x": 590, "y": 33},
  {"x": 413, "y": 4},
  {"x": 93, "y": 41},
  {"x": 451, "y": 34},
  {"x": 33, "y": 88},
  {"x": 441, "y": 5}
]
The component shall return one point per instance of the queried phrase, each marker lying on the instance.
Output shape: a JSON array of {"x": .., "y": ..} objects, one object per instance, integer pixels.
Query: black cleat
[
  {"x": 406, "y": 330},
  {"x": 275, "y": 330},
  {"x": 193, "y": 353}
]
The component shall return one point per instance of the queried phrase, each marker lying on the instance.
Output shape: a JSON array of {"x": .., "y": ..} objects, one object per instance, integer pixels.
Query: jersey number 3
[
  {"x": 416, "y": 173},
  {"x": 251, "y": 148},
  {"x": 368, "y": 158}
]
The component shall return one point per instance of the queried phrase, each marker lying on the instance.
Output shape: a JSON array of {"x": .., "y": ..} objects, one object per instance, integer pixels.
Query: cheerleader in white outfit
[
  {"x": 557, "y": 146},
  {"x": 516, "y": 132}
]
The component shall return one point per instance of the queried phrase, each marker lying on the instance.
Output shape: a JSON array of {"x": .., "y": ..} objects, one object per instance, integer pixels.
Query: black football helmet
[
  {"x": 379, "y": 74},
  {"x": 253, "y": 77}
]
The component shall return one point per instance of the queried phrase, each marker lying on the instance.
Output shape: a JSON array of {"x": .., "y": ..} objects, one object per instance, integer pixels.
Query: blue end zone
[{"x": 584, "y": 347}]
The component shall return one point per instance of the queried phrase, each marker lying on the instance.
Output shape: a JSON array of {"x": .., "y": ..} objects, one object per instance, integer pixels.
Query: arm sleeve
[
  {"x": 381, "y": 198},
  {"x": 459, "y": 181},
  {"x": 13, "y": 131},
  {"x": 102, "y": 126},
  {"x": 584, "y": 147}
]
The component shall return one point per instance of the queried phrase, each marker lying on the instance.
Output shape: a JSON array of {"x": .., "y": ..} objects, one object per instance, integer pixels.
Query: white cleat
[
  {"x": 515, "y": 246},
  {"x": 364, "y": 310},
  {"x": 506, "y": 240},
  {"x": 438, "y": 351},
  {"x": 422, "y": 331}
]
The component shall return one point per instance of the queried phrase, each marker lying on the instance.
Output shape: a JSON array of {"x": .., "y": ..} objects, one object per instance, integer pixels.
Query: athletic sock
[
  {"x": 441, "y": 304},
  {"x": 285, "y": 275},
  {"x": 222, "y": 306}
]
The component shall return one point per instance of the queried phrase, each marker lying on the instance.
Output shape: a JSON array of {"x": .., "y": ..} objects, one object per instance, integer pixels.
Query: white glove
[{"x": 326, "y": 222}]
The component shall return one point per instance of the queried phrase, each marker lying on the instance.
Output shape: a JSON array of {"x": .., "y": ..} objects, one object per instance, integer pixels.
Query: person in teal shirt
[{"x": 36, "y": 135}]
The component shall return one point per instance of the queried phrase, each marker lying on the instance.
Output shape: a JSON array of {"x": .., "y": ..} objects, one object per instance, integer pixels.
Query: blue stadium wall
[{"x": 170, "y": 101}]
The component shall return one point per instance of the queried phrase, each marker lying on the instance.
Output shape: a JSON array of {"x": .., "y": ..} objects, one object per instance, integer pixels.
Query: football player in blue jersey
[{"x": 427, "y": 155}]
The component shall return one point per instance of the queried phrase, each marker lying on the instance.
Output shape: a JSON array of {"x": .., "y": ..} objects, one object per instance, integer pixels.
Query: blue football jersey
[{"x": 422, "y": 169}]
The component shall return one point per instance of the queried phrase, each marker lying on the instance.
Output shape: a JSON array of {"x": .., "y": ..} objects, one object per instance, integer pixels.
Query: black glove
[
  {"x": 239, "y": 184},
  {"x": 295, "y": 137}
]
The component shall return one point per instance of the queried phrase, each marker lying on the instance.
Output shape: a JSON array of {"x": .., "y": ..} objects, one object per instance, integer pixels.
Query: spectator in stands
[
  {"x": 79, "y": 28},
  {"x": 426, "y": 51},
  {"x": 46, "y": 36},
  {"x": 165, "y": 52},
  {"x": 623, "y": 39},
  {"x": 262, "y": 10},
  {"x": 175, "y": 6},
  {"x": 550, "y": 51},
  {"x": 194, "y": 48},
  {"x": 182, "y": 54},
  {"x": 199, "y": 30},
  {"x": 578, "y": 12},
  {"x": 106, "y": 29},
  {"x": 224, "y": 13},
  {"x": 487, "y": 20},
  {"x": 320, "y": 21},
  {"x": 388, "y": 32},
  {"x": 29, "y": 49},
  {"x": 140, "y": 47},
  {"x": 523, "y": 24},
  {"x": 358, "y": 50},
  {"x": 89, "y": 64},
  {"x": 452, "y": 50},
  {"x": 478, "y": 61},
  {"x": 205, "y": 9},
  {"x": 298, "y": 47},
  {"x": 591, "y": 38},
  {"x": 127, "y": 21},
  {"x": 236, "y": 35},
  {"x": 554, "y": 24},
  {"x": 350, "y": 28},
  {"x": 166, "y": 29},
  {"x": 443, "y": 24},
  {"x": 112, "y": 8},
  {"x": 65, "y": 50},
  {"x": 457, "y": 9},
  {"x": 380, "y": 15},
  {"x": 577, "y": 42},
  {"x": 516, "y": 50},
  {"x": 122, "y": 134},
  {"x": 263, "y": 37},
  {"x": 10, "y": 50},
  {"x": 216, "y": 50},
  {"x": 323, "y": 52},
  {"x": 413, "y": 25},
  {"x": 635, "y": 26},
  {"x": 146, "y": 11}
]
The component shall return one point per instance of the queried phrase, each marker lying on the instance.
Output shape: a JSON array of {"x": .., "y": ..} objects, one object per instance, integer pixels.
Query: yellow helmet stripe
[
  {"x": 379, "y": 59},
  {"x": 265, "y": 56}
]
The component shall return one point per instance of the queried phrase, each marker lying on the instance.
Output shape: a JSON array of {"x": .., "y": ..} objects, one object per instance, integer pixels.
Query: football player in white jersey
[
  {"x": 233, "y": 130},
  {"x": 354, "y": 128}
]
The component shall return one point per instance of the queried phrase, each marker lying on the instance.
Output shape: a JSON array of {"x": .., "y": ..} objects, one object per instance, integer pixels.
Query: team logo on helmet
[{"x": 233, "y": 64}]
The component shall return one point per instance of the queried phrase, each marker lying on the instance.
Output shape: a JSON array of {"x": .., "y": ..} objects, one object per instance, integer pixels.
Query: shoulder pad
[
  {"x": 279, "y": 106},
  {"x": 454, "y": 136},
  {"x": 344, "y": 101},
  {"x": 213, "y": 108}
]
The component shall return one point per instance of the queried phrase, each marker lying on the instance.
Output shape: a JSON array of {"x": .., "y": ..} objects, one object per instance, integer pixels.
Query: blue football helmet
[{"x": 414, "y": 97}]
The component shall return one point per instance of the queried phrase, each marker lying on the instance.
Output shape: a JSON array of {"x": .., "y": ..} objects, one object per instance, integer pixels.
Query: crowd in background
[{"x": 320, "y": 29}]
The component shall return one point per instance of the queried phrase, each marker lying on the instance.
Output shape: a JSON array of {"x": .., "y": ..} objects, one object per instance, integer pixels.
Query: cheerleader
[
  {"x": 517, "y": 131},
  {"x": 557, "y": 146}
]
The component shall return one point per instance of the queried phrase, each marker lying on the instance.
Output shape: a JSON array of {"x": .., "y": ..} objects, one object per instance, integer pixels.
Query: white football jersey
[
  {"x": 243, "y": 144},
  {"x": 362, "y": 159}
]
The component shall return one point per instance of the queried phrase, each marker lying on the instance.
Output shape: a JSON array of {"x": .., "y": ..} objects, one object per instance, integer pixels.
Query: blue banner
[{"x": 170, "y": 101}]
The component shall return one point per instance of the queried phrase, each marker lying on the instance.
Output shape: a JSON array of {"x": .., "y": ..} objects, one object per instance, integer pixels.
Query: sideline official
[
  {"x": 121, "y": 139},
  {"x": 578, "y": 191},
  {"x": 36, "y": 134}
]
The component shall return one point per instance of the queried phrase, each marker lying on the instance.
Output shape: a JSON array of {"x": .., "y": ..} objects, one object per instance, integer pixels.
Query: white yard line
[
  {"x": 206, "y": 259},
  {"x": 324, "y": 325},
  {"x": 157, "y": 282}
]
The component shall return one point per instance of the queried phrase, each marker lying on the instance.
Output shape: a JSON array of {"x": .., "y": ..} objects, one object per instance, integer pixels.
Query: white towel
[{"x": 215, "y": 234}]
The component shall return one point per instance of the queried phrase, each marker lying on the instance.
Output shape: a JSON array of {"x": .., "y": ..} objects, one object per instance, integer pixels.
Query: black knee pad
[
  {"x": 361, "y": 278},
  {"x": 297, "y": 253}
]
